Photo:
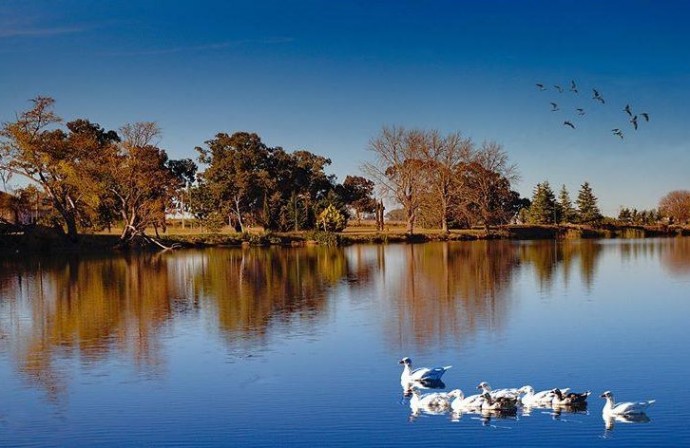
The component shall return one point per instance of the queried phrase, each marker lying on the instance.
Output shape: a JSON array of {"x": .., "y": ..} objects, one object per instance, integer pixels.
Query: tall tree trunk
[
  {"x": 238, "y": 212},
  {"x": 71, "y": 222},
  {"x": 410, "y": 221},
  {"x": 67, "y": 214},
  {"x": 444, "y": 216},
  {"x": 295, "y": 212}
]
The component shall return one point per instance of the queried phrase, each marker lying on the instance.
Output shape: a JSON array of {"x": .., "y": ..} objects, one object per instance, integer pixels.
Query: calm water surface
[{"x": 299, "y": 347}]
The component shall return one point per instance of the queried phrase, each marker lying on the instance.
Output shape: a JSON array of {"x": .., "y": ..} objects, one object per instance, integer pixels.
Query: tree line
[
  {"x": 545, "y": 208},
  {"x": 247, "y": 183},
  {"x": 444, "y": 181},
  {"x": 95, "y": 178}
]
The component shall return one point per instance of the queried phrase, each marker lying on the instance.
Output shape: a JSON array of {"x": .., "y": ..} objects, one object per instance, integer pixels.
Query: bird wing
[
  {"x": 425, "y": 373},
  {"x": 630, "y": 407},
  {"x": 436, "y": 373},
  {"x": 634, "y": 122},
  {"x": 419, "y": 373},
  {"x": 544, "y": 395}
]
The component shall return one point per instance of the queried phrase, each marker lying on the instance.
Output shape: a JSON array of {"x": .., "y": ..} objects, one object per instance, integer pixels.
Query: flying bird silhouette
[
  {"x": 567, "y": 123},
  {"x": 597, "y": 96},
  {"x": 580, "y": 111},
  {"x": 633, "y": 120},
  {"x": 554, "y": 107},
  {"x": 559, "y": 88},
  {"x": 573, "y": 87},
  {"x": 617, "y": 132},
  {"x": 628, "y": 110},
  {"x": 645, "y": 115},
  {"x": 540, "y": 86}
]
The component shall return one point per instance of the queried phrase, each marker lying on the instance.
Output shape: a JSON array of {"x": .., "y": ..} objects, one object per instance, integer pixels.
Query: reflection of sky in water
[{"x": 256, "y": 347}]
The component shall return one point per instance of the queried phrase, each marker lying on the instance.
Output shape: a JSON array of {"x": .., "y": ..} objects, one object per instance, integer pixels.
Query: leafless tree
[
  {"x": 442, "y": 156},
  {"x": 398, "y": 168},
  {"x": 676, "y": 205}
]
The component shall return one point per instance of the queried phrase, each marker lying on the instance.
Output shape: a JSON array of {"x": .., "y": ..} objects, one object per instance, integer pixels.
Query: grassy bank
[{"x": 46, "y": 240}]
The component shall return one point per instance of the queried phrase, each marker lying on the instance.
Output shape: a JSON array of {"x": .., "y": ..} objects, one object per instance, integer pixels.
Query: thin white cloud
[
  {"x": 211, "y": 46},
  {"x": 20, "y": 31}
]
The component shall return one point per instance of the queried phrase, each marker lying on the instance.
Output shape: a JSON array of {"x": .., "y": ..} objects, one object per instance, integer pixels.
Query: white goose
[
  {"x": 498, "y": 393},
  {"x": 423, "y": 374},
  {"x": 530, "y": 398},
  {"x": 435, "y": 403},
  {"x": 461, "y": 403},
  {"x": 627, "y": 408}
]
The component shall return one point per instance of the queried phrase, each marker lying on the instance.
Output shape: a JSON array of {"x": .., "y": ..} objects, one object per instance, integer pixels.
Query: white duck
[
  {"x": 423, "y": 374},
  {"x": 530, "y": 398},
  {"x": 461, "y": 403},
  {"x": 435, "y": 403},
  {"x": 498, "y": 393},
  {"x": 627, "y": 408}
]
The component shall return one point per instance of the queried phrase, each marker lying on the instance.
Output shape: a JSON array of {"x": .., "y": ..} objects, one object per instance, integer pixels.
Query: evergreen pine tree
[
  {"x": 543, "y": 208},
  {"x": 567, "y": 211},
  {"x": 587, "y": 208}
]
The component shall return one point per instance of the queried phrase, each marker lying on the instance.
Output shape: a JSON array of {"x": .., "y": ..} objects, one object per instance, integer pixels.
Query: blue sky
[{"x": 326, "y": 76}]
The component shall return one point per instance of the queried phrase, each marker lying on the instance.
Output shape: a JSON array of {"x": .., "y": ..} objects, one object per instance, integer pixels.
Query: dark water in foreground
[{"x": 299, "y": 347}]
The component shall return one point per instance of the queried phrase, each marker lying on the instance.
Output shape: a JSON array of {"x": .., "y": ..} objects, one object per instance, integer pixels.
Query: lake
[{"x": 300, "y": 346}]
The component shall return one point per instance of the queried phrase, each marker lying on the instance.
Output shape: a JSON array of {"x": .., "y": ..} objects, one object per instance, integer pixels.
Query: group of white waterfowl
[{"x": 505, "y": 401}]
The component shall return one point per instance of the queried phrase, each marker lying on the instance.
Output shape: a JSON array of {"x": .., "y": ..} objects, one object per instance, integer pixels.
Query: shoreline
[{"x": 49, "y": 242}]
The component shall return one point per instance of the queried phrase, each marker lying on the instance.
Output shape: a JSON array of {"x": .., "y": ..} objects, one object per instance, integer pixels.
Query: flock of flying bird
[
  {"x": 506, "y": 401},
  {"x": 635, "y": 119}
]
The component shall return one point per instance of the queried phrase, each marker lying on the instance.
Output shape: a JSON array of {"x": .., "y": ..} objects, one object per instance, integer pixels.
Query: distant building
[
  {"x": 8, "y": 213},
  {"x": 13, "y": 211}
]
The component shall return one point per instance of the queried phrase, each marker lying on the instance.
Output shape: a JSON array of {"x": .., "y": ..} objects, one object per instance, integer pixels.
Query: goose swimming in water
[
  {"x": 461, "y": 403},
  {"x": 434, "y": 403},
  {"x": 627, "y": 408},
  {"x": 569, "y": 399},
  {"x": 500, "y": 404},
  {"x": 531, "y": 398},
  {"x": 506, "y": 392},
  {"x": 421, "y": 375}
]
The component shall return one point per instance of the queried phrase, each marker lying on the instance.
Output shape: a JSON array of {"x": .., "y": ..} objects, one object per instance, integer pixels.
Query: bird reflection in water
[
  {"x": 487, "y": 416},
  {"x": 557, "y": 411},
  {"x": 611, "y": 420},
  {"x": 424, "y": 385},
  {"x": 435, "y": 403}
]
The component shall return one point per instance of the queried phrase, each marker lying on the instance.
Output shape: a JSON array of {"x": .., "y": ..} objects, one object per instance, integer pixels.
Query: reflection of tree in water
[
  {"x": 86, "y": 308},
  {"x": 675, "y": 256},
  {"x": 673, "y": 253},
  {"x": 641, "y": 248},
  {"x": 589, "y": 252},
  {"x": 80, "y": 307},
  {"x": 549, "y": 258},
  {"x": 254, "y": 288},
  {"x": 447, "y": 290}
]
